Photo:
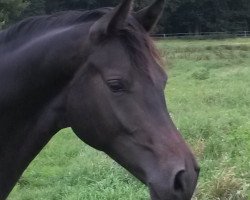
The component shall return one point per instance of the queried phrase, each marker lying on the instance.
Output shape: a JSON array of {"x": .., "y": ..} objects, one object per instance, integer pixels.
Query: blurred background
[{"x": 180, "y": 16}]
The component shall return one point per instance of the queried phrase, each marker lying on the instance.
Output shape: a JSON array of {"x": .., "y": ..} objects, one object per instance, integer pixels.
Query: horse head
[{"x": 116, "y": 103}]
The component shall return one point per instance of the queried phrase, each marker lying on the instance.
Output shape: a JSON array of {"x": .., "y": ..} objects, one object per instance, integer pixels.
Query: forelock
[{"x": 138, "y": 45}]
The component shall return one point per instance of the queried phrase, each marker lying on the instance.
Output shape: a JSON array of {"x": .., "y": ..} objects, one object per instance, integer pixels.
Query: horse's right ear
[
  {"x": 149, "y": 16},
  {"x": 111, "y": 22}
]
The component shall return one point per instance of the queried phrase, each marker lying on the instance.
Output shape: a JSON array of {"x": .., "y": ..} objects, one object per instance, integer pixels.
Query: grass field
[{"x": 208, "y": 95}]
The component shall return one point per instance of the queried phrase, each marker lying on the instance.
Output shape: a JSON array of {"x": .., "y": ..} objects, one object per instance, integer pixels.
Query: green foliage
[
  {"x": 211, "y": 15},
  {"x": 35, "y": 7},
  {"x": 212, "y": 114},
  {"x": 179, "y": 16},
  {"x": 10, "y": 10}
]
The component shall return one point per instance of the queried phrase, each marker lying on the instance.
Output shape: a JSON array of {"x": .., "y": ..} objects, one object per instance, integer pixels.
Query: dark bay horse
[{"x": 97, "y": 72}]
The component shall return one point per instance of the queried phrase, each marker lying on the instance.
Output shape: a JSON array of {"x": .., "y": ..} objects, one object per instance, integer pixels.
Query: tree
[
  {"x": 209, "y": 15},
  {"x": 59, "y": 5},
  {"x": 35, "y": 7},
  {"x": 179, "y": 16},
  {"x": 10, "y": 10}
]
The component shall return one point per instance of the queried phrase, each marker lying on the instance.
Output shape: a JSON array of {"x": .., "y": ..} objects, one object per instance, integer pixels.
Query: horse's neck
[
  {"x": 25, "y": 142},
  {"x": 33, "y": 75},
  {"x": 33, "y": 83}
]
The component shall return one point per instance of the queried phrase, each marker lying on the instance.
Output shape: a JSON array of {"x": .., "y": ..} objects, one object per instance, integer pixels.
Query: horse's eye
[{"x": 116, "y": 86}]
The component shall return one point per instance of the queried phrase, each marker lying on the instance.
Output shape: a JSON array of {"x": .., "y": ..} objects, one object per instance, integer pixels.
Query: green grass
[
  {"x": 209, "y": 98},
  {"x": 208, "y": 95}
]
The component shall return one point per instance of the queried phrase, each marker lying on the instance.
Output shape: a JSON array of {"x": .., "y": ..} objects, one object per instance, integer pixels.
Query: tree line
[{"x": 180, "y": 16}]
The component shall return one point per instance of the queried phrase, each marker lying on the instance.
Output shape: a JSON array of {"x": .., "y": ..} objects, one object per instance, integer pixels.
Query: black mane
[
  {"x": 38, "y": 24},
  {"x": 133, "y": 36}
]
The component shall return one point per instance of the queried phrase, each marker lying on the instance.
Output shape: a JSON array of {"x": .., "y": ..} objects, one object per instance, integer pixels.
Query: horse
[{"x": 97, "y": 72}]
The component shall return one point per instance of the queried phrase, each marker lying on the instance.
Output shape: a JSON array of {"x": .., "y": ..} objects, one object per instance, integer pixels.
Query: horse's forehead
[{"x": 111, "y": 56}]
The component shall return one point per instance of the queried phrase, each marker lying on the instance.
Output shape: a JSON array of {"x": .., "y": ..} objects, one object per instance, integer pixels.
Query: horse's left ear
[
  {"x": 112, "y": 21},
  {"x": 149, "y": 16}
]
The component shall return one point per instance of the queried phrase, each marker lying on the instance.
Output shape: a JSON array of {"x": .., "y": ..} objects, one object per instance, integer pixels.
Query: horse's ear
[
  {"x": 112, "y": 21},
  {"x": 149, "y": 16}
]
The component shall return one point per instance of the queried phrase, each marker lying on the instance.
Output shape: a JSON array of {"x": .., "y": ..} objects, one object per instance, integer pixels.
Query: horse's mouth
[
  {"x": 153, "y": 194},
  {"x": 156, "y": 196}
]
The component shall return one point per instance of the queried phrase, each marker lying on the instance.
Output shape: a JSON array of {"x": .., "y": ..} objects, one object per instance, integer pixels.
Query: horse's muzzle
[{"x": 180, "y": 186}]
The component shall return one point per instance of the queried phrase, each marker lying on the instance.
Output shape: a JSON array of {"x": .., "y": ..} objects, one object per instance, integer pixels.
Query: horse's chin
[
  {"x": 156, "y": 196},
  {"x": 153, "y": 194}
]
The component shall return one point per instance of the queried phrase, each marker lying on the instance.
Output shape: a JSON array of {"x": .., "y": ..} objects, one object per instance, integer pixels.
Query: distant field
[{"x": 208, "y": 95}]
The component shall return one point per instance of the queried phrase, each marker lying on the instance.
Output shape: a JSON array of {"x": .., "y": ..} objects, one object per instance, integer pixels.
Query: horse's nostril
[{"x": 179, "y": 181}]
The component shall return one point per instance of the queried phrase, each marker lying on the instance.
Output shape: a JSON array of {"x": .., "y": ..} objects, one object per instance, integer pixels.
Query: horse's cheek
[{"x": 85, "y": 118}]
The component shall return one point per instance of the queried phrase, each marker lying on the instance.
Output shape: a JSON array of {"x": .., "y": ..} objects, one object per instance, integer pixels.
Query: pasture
[{"x": 208, "y": 96}]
